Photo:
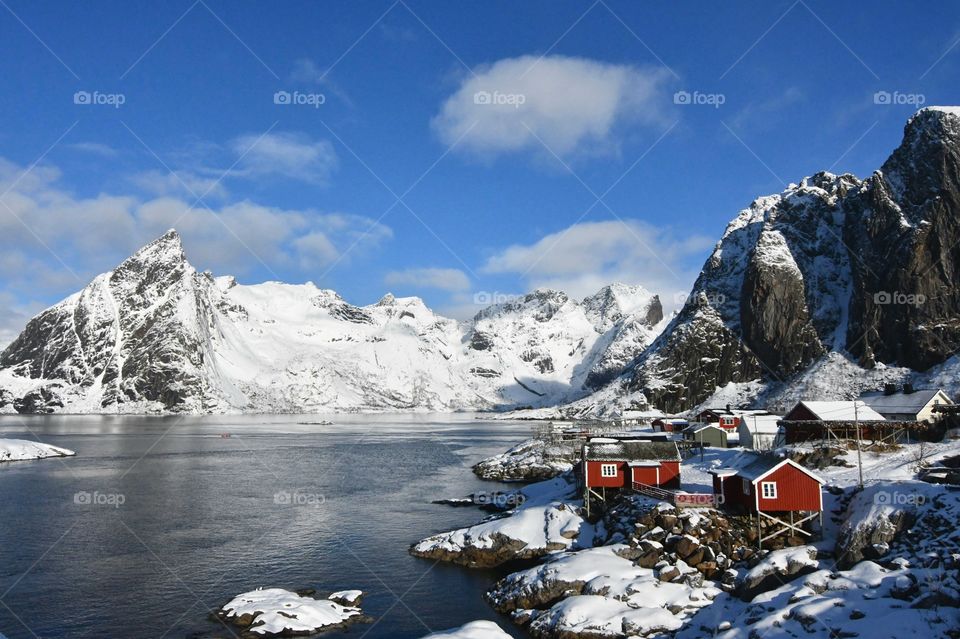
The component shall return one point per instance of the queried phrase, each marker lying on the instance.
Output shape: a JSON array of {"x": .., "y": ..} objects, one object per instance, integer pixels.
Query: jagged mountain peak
[{"x": 616, "y": 301}]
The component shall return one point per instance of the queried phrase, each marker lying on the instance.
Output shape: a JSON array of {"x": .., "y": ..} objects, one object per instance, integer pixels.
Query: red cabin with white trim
[
  {"x": 769, "y": 485},
  {"x": 613, "y": 463}
]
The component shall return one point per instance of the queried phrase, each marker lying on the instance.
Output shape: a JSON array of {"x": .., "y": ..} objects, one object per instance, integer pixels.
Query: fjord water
[{"x": 158, "y": 521}]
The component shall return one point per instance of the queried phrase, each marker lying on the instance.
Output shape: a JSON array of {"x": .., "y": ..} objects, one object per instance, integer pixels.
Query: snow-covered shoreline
[
  {"x": 12, "y": 450},
  {"x": 646, "y": 569}
]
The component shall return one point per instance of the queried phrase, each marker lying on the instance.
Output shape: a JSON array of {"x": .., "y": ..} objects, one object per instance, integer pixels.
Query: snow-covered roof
[
  {"x": 701, "y": 427},
  {"x": 843, "y": 411},
  {"x": 901, "y": 402},
  {"x": 763, "y": 424},
  {"x": 631, "y": 451},
  {"x": 762, "y": 466}
]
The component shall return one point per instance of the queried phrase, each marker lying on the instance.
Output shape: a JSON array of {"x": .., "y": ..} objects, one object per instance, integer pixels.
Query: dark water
[{"x": 204, "y": 518}]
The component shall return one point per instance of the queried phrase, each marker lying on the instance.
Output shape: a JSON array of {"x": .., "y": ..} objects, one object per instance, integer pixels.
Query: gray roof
[
  {"x": 631, "y": 451},
  {"x": 900, "y": 403}
]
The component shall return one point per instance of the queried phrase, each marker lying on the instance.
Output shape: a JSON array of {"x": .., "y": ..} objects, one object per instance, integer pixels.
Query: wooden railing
[{"x": 678, "y": 499}]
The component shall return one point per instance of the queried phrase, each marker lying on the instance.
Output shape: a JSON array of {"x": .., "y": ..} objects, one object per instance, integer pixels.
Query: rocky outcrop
[
  {"x": 43, "y": 400},
  {"x": 532, "y": 460},
  {"x": 530, "y": 533}
]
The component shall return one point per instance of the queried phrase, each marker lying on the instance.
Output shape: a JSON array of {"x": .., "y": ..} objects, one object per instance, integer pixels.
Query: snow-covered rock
[
  {"x": 22, "y": 449},
  {"x": 778, "y": 567},
  {"x": 531, "y": 460},
  {"x": 275, "y": 612},
  {"x": 531, "y": 532},
  {"x": 472, "y": 630}
]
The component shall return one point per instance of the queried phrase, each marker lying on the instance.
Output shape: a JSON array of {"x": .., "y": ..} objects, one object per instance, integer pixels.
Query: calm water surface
[{"x": 204, "y": 517}]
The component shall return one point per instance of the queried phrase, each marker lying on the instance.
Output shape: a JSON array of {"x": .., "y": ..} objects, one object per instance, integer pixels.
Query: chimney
[
  {"x": 907, "y": 388},
  {"x": 889, "y": 389},
  {"x": 729, "y": 412}
]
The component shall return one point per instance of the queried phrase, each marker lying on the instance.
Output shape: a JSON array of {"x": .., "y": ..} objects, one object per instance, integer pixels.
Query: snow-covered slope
[{"x": 156, "y": 335}]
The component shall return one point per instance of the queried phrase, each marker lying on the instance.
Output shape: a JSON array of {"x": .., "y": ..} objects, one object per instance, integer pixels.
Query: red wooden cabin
[
  {"x": 669, "y": 424},
  {"x": 617, "y": 464},
  {"x": 773, "y": 488},
  {"x": 723, "y": 417}
]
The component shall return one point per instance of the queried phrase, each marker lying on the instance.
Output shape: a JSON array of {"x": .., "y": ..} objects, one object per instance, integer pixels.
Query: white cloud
[
  {"x": 92, "y": 235},
  {"x": 444, "y": 279},
  {"x": 571, "y": 104},
  {"x": 185, "y": 183},
  {"x": 96, "y": 148},
  {"x": 286, "y": 154},
  {"x": 585, "y": 257}
]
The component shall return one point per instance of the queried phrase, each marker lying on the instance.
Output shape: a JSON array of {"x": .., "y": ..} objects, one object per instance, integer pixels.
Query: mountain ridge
[{"x": 156, "y": 335}]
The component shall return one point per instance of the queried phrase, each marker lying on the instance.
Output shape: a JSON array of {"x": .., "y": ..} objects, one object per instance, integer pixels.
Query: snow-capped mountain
[
  {"x": 156, "y": 335},
  {"x": 834, "y": 285}
]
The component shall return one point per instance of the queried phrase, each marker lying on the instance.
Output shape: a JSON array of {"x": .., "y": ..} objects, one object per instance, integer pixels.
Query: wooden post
[{"x": 759, "y": 533}]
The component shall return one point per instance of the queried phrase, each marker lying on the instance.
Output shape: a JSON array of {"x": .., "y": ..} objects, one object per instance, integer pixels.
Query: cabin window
[
  {"x": 608, "y": 470},
  {"x": 746, "y": 486},
  {"x": 769, "y": 489}
]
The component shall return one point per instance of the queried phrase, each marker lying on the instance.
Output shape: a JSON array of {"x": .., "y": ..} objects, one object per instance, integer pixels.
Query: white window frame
[
  {"x": 768, "y": 489},
  {"x": 608, "y": 470}
]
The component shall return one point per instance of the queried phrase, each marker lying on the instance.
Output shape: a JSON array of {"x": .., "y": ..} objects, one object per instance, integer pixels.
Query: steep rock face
[
  {"x": 831, "y": 265},
  {"x": 773, "y": 310},
  {"x": 696, "y": 351},
  {"x": 907, "y": 305},
  {"x": 132, "y": 335}
]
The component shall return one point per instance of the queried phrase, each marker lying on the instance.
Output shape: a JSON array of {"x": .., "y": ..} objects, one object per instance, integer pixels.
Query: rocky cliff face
[
  {"x": 156, "y": 335},
  {"x": 866, "y": 268}
]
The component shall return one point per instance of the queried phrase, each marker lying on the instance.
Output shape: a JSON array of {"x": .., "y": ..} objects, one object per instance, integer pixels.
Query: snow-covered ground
[
  {"x": 22, "y": 449},
  {"x": 273, "y": 612}
]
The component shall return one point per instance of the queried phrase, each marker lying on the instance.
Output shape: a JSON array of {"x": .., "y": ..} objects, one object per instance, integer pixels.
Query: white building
[
  {"x": 907, "y": 405},
  {"x": 760, "y": 431}
]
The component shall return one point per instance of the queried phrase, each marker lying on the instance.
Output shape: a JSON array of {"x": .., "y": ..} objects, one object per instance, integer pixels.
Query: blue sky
[{"x": 581, "y": 169}]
